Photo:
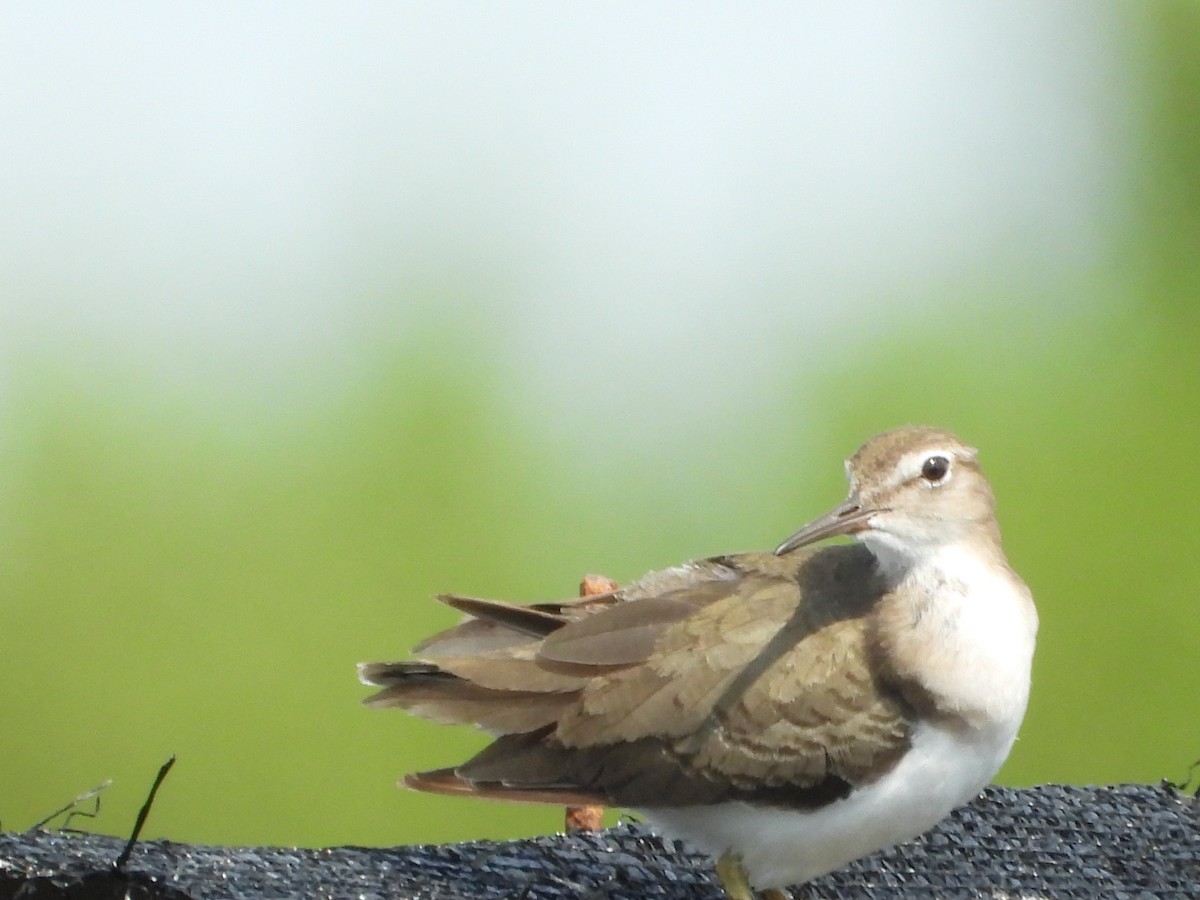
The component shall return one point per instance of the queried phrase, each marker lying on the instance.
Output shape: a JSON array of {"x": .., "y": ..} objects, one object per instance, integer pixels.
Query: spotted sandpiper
[{"x": 786, "y": 712}]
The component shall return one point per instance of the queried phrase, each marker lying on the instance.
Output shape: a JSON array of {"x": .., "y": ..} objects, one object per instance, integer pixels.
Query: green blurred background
[{"x": 311, "y": 313}]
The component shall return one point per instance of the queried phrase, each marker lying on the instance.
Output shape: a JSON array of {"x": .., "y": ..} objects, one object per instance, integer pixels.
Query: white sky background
[{"x": 673, "y": 203}]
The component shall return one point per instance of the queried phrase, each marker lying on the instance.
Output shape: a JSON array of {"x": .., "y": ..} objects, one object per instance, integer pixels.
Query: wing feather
[{"x": 608, "y": 701}]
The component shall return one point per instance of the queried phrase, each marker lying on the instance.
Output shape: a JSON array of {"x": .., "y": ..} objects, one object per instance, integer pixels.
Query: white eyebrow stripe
[{"x": 848, "y": 466}]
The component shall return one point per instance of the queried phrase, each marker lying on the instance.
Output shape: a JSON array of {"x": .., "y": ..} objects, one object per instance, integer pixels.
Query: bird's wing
[
  {"x": 614, "y": 706},
  {"x": 784, "y": 692}
]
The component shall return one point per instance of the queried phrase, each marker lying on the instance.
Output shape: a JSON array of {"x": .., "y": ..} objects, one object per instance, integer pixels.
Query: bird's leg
[
  {"x": 732, "y": 875},
  {"x": 733, "y": 878}
]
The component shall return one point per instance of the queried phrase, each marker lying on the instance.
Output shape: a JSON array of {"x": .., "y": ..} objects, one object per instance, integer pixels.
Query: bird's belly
[{"x": 779, "y": 847}]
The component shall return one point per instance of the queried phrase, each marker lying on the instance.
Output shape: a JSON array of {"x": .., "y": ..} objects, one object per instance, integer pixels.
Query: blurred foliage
[{"x": 172, "y": 584}]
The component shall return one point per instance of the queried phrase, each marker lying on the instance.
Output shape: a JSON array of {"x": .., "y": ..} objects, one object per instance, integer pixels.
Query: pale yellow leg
[
  {"x": 733, "y": 878},
  {"x": 732, "y": 875}
]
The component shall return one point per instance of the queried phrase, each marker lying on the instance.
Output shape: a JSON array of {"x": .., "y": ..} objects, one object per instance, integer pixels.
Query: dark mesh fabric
[{"x": 1130, "y": 841}]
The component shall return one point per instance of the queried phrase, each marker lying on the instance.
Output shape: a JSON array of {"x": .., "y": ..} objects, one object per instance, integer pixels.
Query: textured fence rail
[{"x": 1131, "y": 841}]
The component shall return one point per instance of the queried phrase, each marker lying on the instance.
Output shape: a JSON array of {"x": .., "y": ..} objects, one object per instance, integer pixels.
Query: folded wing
[{"x": 739, "y": 677}]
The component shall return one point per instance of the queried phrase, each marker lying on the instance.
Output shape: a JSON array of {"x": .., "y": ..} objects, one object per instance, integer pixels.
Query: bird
[{"x": 785, "y": 711}]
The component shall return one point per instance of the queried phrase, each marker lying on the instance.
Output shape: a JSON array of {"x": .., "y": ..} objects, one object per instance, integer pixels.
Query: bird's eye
[{"x": 934, "y": 469}]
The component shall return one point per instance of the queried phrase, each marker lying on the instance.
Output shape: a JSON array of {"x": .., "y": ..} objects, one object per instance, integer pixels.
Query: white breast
[{"x": 967, "y": 635}]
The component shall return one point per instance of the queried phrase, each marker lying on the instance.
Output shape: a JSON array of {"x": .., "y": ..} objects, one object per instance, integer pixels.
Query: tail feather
[
  {"x": 488, "y": 671},
  {"x": 383, "y": 674},
  {"x": 472, "y": 638},
  {"x": 495, "y": 626},
  {"x": 432, "y": 693},
  {"x": 450, "y": 783},
  {"x": 528, "y": 620}
]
